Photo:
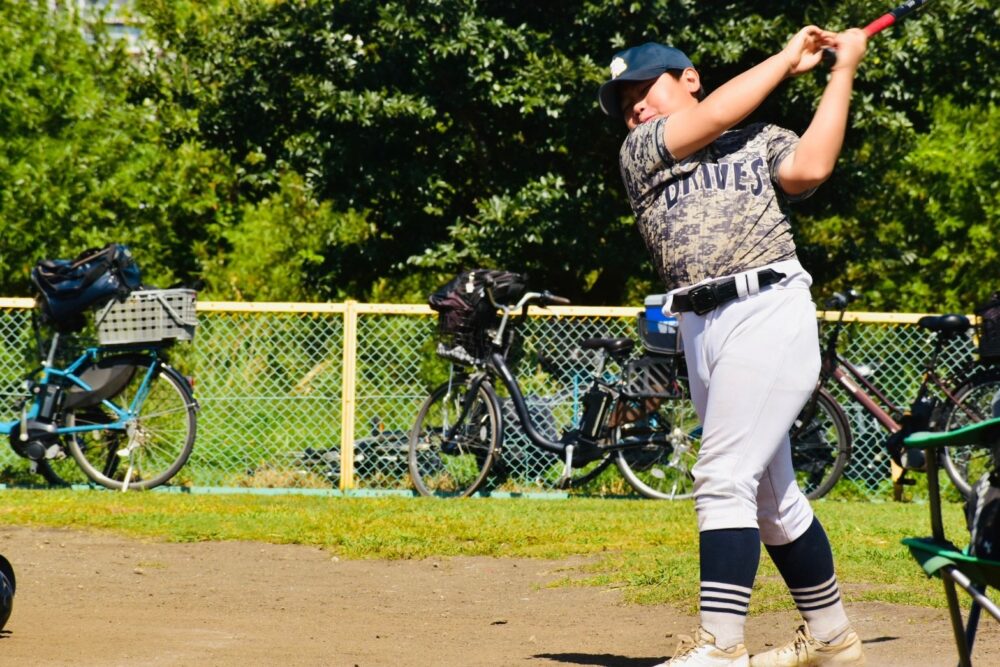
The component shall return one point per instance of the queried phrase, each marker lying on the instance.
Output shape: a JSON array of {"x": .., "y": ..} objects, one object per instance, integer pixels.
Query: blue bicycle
[{"x": 124, "y": 415}]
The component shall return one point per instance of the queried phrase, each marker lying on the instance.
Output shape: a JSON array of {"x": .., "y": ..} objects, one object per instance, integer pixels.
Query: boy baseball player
[{"x": 710, "y": 203}]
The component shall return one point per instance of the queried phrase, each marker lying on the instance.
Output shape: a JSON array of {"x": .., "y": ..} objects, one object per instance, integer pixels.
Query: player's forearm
[
  {"x": 740, "y": 96},
  {"x": 691, "y": 129},
  {"x": 819, "y": 147}
]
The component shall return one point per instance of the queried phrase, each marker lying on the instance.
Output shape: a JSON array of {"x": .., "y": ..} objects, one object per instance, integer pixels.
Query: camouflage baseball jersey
[{"x": 714, "y": 213}]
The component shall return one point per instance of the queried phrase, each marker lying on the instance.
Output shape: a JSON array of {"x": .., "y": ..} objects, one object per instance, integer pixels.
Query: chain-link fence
[{"x": 297, "y": 396}]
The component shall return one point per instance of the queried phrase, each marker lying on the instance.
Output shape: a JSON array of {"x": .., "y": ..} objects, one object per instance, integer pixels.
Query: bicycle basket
[
  {"x": 989, "y": 329},
  {"x": 652, "y": 376},
  {"x": 658, "y": 333},
  {"x": 460, "y": 341},
  {"x": 148, "y": 316},
  {"x": 466, "y": 316}
]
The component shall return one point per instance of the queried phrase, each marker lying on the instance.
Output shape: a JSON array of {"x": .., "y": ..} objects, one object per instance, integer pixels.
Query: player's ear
[{"x": 691, "y": 80}]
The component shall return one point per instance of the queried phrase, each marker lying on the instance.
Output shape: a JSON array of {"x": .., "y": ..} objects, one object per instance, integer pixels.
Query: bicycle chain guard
[{"x": 38, "y": 444}]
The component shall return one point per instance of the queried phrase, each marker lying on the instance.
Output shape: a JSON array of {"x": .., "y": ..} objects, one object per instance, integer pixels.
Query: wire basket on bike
[
  {"x": 652, "y": 376},
  {"x": 148, "y": 316},
  {"x": 989, "y": 329},
  {"x": 466, "y": 318}
]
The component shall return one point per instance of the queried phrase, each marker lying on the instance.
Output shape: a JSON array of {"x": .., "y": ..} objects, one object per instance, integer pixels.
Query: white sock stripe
[
  {"x": 810, "y": 589},
  {"x": 813, "y": 599},
  {"x": 806, "y": 597},
  {"x": 731, "y": 597},
  {"x": 819, "y": 604},
  {"x": 723, "y": 608},
  {"x": 726, "y": 588},
  {"x": 745, "y": 604}
]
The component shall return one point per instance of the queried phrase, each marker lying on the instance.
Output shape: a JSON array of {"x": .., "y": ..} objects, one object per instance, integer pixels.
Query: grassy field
[{"x": 646, "y": 548}]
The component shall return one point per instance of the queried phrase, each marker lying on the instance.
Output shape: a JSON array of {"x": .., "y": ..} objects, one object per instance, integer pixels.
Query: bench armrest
[{"x": 985, "y": 433}]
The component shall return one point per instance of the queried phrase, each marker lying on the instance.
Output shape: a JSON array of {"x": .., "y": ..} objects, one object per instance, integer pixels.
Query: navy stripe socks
[
  {"x": 807, "y": 568},
  {"x": 729, "y": 560}
]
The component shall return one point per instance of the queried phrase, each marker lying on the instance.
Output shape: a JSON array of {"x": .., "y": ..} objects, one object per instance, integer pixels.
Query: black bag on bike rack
[
  {"x": 69, "y": 287},
  {"x": 465, "y": 313}
]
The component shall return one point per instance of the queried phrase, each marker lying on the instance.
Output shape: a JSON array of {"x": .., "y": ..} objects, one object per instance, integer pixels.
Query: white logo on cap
[{"x": 618, "y": 66}]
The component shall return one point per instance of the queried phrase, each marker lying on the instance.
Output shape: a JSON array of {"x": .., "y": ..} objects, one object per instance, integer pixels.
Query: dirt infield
[{"x": 97, "y": 599}]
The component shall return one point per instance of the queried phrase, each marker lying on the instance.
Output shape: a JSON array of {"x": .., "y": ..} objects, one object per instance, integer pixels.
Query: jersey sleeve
[
  {"x": 646, "y": 163},
  {"x": 780, "y": 144}
]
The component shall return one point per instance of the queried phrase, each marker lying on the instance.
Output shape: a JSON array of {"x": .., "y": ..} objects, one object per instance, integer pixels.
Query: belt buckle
[{"x": 703, "y": 299}]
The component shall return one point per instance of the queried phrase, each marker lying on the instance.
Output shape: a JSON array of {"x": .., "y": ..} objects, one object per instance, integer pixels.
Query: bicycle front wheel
[
  {"x": 975, "y": 401},
  {"x": 656, "y": 453},
  {"x": 821, "y": 445},
  {"x": 157, "y": 441},
  {"x": 455, "y": 439}
]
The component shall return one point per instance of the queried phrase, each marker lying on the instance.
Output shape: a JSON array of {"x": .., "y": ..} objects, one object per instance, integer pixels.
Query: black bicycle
[
  {"x": 639, "y": 419},
  {"x": 822, "y": 438}
]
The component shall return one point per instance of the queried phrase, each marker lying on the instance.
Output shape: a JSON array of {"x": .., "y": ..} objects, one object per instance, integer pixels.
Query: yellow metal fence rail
[{"x": 298, "y": 395}]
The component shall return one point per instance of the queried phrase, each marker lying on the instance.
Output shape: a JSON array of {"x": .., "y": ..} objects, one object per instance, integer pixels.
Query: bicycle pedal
[{"x": 906, "y": 481}]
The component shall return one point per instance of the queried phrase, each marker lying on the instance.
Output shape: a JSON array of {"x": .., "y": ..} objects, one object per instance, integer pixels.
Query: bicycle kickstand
[
  {"x": 899, "y": 480},
  {"x": 566, "y": 479},
  {"x": 126, "y": 453}
]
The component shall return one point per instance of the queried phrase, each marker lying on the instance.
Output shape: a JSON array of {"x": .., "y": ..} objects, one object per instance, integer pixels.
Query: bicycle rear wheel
[
  {"x": 660, "y": 450},
  {"x": 455, "y": 439},
  {"x": 976, "y": 400},
  {"x": 158, "y": 440},
  {"x": 821, "y": 445}
]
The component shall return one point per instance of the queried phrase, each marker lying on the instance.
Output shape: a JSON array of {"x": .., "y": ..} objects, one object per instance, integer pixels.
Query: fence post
[{"x": 347, "y": 399}]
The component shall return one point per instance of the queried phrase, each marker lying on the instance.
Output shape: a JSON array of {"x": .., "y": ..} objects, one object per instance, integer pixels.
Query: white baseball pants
[{"x": 752, "y": 364}]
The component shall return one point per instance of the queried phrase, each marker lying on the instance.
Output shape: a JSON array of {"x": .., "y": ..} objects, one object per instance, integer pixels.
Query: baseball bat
[{"x": 880, "y": 24}]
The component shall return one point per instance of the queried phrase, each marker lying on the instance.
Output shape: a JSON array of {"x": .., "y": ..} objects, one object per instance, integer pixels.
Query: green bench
[{"x": 939, "y": 557}]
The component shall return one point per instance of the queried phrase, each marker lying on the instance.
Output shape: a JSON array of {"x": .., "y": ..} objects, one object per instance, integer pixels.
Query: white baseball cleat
[
  {"x": 701, "y": 651},
  {"x": 807, "y": 651}
]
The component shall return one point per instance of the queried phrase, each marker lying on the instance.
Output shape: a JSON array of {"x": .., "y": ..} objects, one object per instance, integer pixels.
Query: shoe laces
[
  {"x": 800, "y": 646},
  {"x": 686, "y": 646}
]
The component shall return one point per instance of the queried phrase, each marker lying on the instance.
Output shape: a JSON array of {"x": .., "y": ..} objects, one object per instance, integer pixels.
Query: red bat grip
[{"x": 879, "y": 24}]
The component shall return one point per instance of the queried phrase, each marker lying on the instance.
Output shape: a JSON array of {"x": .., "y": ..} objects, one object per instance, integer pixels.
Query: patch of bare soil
[{"x": 97, "y": 599}]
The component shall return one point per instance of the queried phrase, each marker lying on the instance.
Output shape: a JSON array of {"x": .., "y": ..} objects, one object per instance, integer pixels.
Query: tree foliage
[
  {"x": 80, "y": 165},
  {"x": 359, "y": 148}
]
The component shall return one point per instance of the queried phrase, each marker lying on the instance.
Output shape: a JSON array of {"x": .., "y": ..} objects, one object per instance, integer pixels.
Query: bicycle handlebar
[
  {"x": 840, "y": 301},
  {"x": 549, "y": 299},
  {"x": 545, "y": 298}
]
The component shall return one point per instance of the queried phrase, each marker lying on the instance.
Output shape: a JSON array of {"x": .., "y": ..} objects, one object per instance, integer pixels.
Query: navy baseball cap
[{"x": 638, "y": 63}]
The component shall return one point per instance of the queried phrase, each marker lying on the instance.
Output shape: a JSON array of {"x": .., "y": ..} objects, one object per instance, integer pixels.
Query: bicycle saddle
[
  {"x": 950, "y": 324},
  {"x": 612, "y": 345}
]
